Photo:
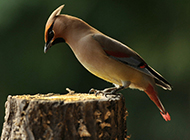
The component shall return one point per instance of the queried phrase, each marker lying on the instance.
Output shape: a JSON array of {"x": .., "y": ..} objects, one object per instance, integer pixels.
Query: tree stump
[{"x": 73, "y": 116}]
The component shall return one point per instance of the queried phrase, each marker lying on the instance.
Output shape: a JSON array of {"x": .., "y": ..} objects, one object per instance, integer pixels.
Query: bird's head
[{"x": 52, "y": 30}]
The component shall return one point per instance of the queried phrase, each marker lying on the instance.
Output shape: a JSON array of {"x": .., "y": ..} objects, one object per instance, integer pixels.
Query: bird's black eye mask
[{"x": 50, "y": 33}]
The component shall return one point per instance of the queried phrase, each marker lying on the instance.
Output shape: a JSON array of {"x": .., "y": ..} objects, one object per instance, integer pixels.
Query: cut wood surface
[{"x": 73, "y": 116}]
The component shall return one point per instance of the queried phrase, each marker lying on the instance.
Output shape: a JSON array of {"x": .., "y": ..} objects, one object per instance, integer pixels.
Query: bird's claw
[
  {"x": 113, "y": 94},
  {"x": 96, "y": 92},
  {"x": 105, "y": 92}
]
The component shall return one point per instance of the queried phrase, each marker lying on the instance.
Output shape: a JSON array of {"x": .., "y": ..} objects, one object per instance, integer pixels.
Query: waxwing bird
[{"x": 105, "y": 57}]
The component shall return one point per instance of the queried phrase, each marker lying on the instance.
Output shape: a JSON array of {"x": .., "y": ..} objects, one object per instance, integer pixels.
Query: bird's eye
[
  {"x": 50, "y": 35},
  {"x": 51, "y": 32}
]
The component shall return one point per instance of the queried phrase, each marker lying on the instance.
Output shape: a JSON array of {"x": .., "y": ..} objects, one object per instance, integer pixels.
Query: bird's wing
[
  {"x": 121, "y": 52},
  {"x": 126, "y": 55}
]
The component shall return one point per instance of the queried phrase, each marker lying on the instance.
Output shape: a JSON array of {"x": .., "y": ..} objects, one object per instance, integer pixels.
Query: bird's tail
[
  {"x": 160, "y": 81},
  {"x": 150, "y": 91}
]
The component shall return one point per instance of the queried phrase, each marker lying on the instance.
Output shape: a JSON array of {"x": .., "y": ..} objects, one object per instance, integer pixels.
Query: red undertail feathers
[{"x": 150, "y": 91}]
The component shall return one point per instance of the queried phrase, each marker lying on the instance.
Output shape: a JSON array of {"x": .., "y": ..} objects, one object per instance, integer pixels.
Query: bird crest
[{"x": 53, "y": 16}]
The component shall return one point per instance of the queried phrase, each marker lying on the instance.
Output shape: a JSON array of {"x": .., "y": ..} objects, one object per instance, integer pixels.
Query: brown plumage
[{"x": 105, "y": 57}]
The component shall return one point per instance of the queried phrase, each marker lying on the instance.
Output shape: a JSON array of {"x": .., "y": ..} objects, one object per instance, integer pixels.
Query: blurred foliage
[{"x": 158, "y": 30}]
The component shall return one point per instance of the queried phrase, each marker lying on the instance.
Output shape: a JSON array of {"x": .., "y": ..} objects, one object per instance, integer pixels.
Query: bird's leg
[
  {"x": 125, "y": 84},
  {"x": 106, "y": 90},
  {"x": 109, "y": 89},
  {"x": 114, "y": 91}
]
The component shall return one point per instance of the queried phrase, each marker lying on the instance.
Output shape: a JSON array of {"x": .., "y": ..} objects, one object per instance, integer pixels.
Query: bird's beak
[{"x": 47, "y": 46}]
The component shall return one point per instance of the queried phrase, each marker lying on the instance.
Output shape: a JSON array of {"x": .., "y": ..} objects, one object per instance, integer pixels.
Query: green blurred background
[{"x": 158, "y": 30}]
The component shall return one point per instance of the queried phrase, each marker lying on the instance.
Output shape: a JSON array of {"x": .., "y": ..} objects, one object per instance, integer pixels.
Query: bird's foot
[
  {"x": 96, "y": 92},
  {"x": 108, "y": 91},
  {"x": 113, "y": 94}
]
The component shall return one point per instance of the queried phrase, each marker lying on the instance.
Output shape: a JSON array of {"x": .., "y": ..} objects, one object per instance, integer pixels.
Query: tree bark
[{"x": 73, "y": 116}]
